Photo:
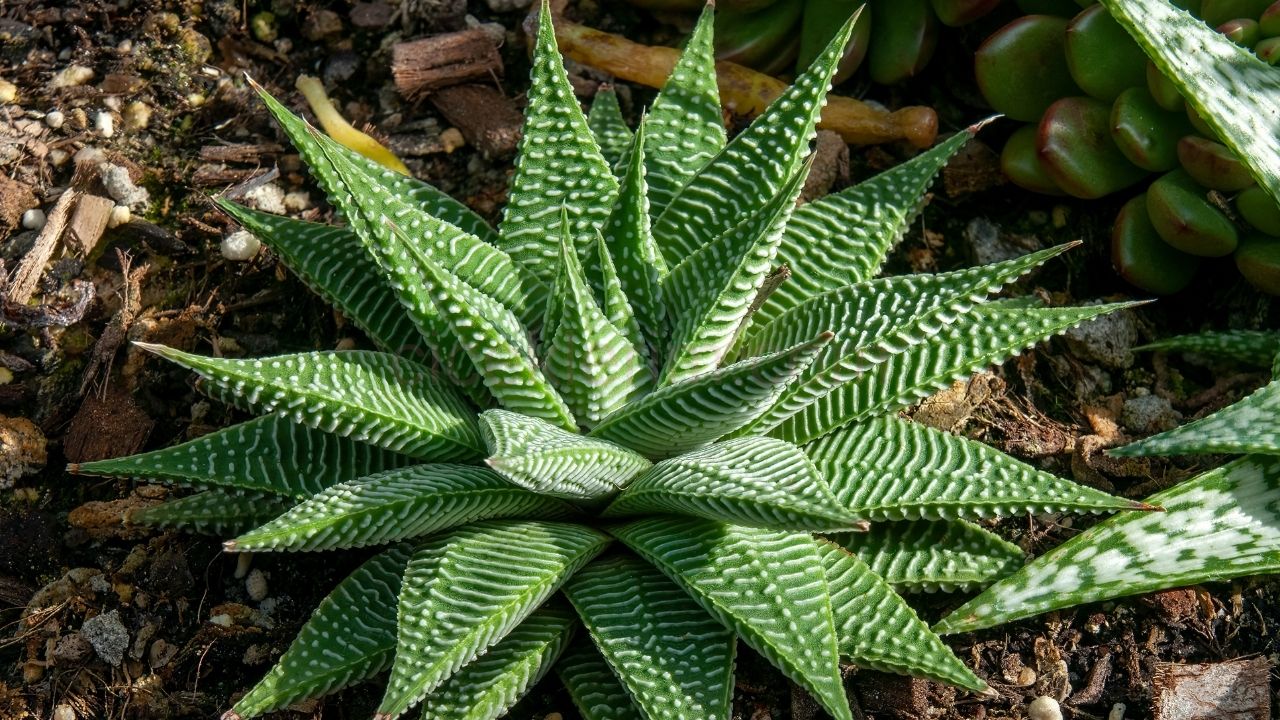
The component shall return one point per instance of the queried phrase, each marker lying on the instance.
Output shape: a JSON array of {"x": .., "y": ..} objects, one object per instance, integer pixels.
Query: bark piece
[
  {"x": 105, "y": 427},
  {"x": 23, "y": 284},
  {"x": 1232, "y": 690},
  {"x": 15, "y": 199},
  {"x": 88, "y": 222},
  {"x": 247, "y": 153},
  {"x": 440, "y": 61},
  {"x": 487, "y": 118}
]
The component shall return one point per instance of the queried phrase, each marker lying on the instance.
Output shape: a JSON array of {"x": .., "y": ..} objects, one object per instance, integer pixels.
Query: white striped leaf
[
  {"x": 877, "y": 629},
  {"x": 675, "y": 661},
  {"x": 768, "y": 586},
  {"x": 889, "y": 468},
  {"x": 1236, "y": 93},
  {"x": 397, "y": 505},
  {"x": 559, "y": 167},
  {"x": 1255, "y": 347},
  {"x": 372, "y": 397},
  {"x": 608, "y": 127},
  {"x": 541, "y": 457},
  {"x": 270, "y": 454},
  {"x": 337, "y": 266},
  {"x": 594, "y": 689},
  {"x": 589, "y": 361},
  {"x": 465, "y": 590},
  {"x": 685, "y": 123},
  {"x": 688, "y": 415},
  {"x": 616, "y": 305},
  {"x": 889, "y": 377},
  {"x": 842, "y": 238},
  {"x": 213, "y": 512},
  {"x": 753, "y": 481},
  {"x": 933, "y": 555},
  {"x": 1216, "y": 526},
  {"x": 709, "y": 295},
  {"x": 488, "y": 686},
  {"x": 350, "y": 637},
  {"x": 1248, "y": 426}
]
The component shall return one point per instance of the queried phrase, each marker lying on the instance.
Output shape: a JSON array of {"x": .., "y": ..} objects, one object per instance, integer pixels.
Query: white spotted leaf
[
  {"x": 214, "y": 512},
  {"x": 592, "y": 685},
  {"x": 608, "y": 126},
  {"x": 1254, "y": 347},
  {"x": 933, "y": 555},
  {"x": 1251, "y": 425}
]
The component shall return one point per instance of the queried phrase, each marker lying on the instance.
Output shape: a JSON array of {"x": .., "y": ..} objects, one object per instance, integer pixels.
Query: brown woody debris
[
  {"x": 1233, "y": 690},
  {"x": 487, "y": 118},
  {"x": 88, "y": 223},
  {"x": 22, "y": 449},
  {"x": 106, "y": 426},
  {"x": 440, "y": 61},
  {"x": 15, "y": 199}
]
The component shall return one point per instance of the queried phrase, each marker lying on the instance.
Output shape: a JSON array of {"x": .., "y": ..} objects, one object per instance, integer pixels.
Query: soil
[{"x": 136, "y": 623}]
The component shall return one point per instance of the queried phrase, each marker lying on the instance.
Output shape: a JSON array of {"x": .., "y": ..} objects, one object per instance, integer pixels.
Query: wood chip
[
  {"x": 421, "y": 66},
  {"x": 88, "y": 222},
  {"x": 22, "y": 285},
  {"x": 245, "y": 153},
  {"x": 1233, "y": 690},
  {"x": 105, "y": 427},
  {"x": 487, "y": 119}
]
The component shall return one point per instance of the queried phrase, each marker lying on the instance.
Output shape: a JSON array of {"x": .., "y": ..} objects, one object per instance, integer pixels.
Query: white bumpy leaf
[
  {"x": 594, "y": 689},
  {"x": 608, "y": 126},
  {"x": 1248, "y": 426},
  {"x": 214, "y": 512},
  {"x": 932, "y": 555},
  {"x": 1255, "y": 347}
]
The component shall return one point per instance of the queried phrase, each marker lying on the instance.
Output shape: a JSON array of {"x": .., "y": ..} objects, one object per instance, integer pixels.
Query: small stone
[
  {"x": 64, "y": 712},
  {"x": 59, "y": 157},
  {"x": 1107, "y": 340},
  {"x": 240, "y": 246},
  {"x": 268, "y": 198},
  {"x": 1147, "y": 413},
  {"x": 264, "y": 27},
  {"x": 1044, "y": 708},
  {"x": 33, "y": 219},
  {"x": 107, "y": 636},
  {"x": 195, "y": 99},
  {"x": 112, "y": 103},
  {"x": 161, "y": 653},
  {"x": 89, "y": 154},
  {"x": 121, "y": 187},
  {"x": 297, "y": 201},
  {"x": 120, "y": 215},
  {"x": 321, "y": 24},
  {"x": 22, "y": 449},
  {"x": 8, "y": 92},
  {"x": 73, "y": 648},
  {"x": 451, "y": 139},
  {"x": 221, "y": 620},
  {"x": 105, "y": 124},
  {"x": 137, "y": 115},
  {"x": 256, "y": 585},
  {"x": 72, "y": 76},
  {"x": 1117, "y": 712},
  {"x": 54, "y": 119}
]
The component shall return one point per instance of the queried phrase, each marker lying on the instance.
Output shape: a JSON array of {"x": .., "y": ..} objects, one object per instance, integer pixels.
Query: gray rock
[
  {"x": 108, "y": 636},
  {"x": 1107, "y": 340},
  {"x": 1148, "y": 413}
]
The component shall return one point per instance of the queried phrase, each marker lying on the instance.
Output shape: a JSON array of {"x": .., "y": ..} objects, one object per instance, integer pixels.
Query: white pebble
[
  {"x": 1044, "y": 708},
  {"x": 112, "y": 102},
  {"x": 195, "y": 100},
  {"x": 137, "y": 115},
  {"x": 268, "y": 198},
  {"x": 1117, "y": 712},
  {"x": 33, "y": 219},
  {"x": 54, "y": 119},
  {"x": 104, "y": 124},
  {"x": 64, "y": 712},
  {"x": 297, "y": 201},
  {"x": 120, "y": 215},
  {"x": 89, "y": 154},
  {"x": 221, "y": 620},
  {"x": 8, "y": 92},
  {"x": 121, "y": 187},
  {"x": 240, "y": 245},
  {"x": 72, "y": 76},
  {"x": 59, "y": 157},
  {"x": 256, "y": 585}
]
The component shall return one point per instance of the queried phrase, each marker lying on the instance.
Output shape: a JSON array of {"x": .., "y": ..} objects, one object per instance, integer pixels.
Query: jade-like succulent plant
[{"x": 616, "y": 417}]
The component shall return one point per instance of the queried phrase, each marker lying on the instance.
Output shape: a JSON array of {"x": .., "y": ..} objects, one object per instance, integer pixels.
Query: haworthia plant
[{"x": 581, "y": 403}]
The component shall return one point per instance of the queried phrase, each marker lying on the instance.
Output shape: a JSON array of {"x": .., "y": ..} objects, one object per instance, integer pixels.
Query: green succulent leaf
[
  {"x": 350, "y": 637},
  {"x": 877, "y": 629},
  {"x": 467, "y": 589},
  {"x": 594, "y": 689},
  {"x": 616, "y": 306},
  {"x": 889, "y": 468},
  {"x": 675, "y": 661},
  {"x": 1248, "y": 426},
  {"x": 752, "y": 481},
  {"x": 768, "y": 586},
  {"x": 608, "y": 126},
  {"x": 929, "y": 555},
  {"x": 213, "y": 512},
  {"x": 397, "y": 505},
  {"x": 1255, "y": 347},
  {"x": 370, "y": 397},
  {"x": 1216, "y": 526},
  {"x": 541, "y": 457},
  {"x": 488, "y": 686},
  {"x": 559, "y": 167},
  {"x": 690, "y": 414}
]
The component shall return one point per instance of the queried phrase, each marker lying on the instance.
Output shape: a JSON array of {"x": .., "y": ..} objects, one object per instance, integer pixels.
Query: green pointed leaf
[
  {"x": 608, "y": 127},
  {"x": 559, "y": 167},
  {"x": 351, "y": 636},
  {"x": 932, "y": 555},
  {"x": 1248, "y": 426},
  {"x": 1216, "y": 526},
  {"x": 337, "y": 266},
  {"x": 591, "y": 362},
  {"x": 371, "y": 397},
  {"x": 1254, "y": 347},
  {"x": 768, "y": 586},
  {"x": 686, "y": 123},
  {"x": 675, "y": 660},
  {"x": 753, "y": 481},
  {"x": 688, "y": 415},
  {"x": 541, "y": 457},
  {"x": 888, "y": 468},
  {"x": 466, "y": 589},
  {"x": 488, "y": 686},
  {"x": 594, "y": 689},
  {"x": 876, "y": 629},
  {"x": 756, "y": 164},
  {"x": 1236, "y": 93},
  {"x": 213, "y": 512},
  {"x": 397, "y": 505},
  {"x": 709, "y": 295},
  {"x": 617, "y": 307}
]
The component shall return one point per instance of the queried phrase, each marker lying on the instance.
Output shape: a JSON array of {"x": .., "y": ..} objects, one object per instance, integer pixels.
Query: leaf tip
[
  {"x": 73, "y": 468},
  {"x": 230, "y": 546},
  {"x": 231, "y": 715},
  {"x": 977, "y": 127}
]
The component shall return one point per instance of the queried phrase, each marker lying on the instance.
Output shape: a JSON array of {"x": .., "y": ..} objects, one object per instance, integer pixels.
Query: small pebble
[
  {"x": 221, "y": 620},
  {"x": 120, "y": 215},
  {"x": 125, "y": 46},
  {"x": 195, "y": 100},
  {"x": 59, "y": 157},
  {"x": 268, "y": 198},
  {"x": 33, "y": 219},
  {"x": 8, "y": 91},
  {"x": 452, "y": 139},
  {"x": 64, "y": 712},
  {"x": 256, "y": 585},
  {"x": 297, "y": 201},
  {"x": 112, "y": 103},
  {"x": 121, "y": 187},
  {"x": 107, "y": 635},
  {"x": 1117, "y": 712},
  {"x": 137, "y": 115},
  {"x": 1044, "y": 708},
  {"x": 89, "y": 154},
  {"x": 104, "y": 124},
  {"x": 240, "y": 246},
  {"x": 54, "y": 119},
  {"x": 72, "y": 76}
]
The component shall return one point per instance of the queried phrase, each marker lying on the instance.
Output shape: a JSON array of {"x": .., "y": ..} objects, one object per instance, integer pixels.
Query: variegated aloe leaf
[
  {"x": 674, "y": 659},
  {"x": 488, "y": 686},
  {"x": 1236, "y": 93},
  {"x": 877, "y": 629},
  {"x": 1255, "y": 347},
  {"x": 768, "y": 586},
  {"x": 889, "y": 468},
  {"x": 685, "y": 122},
  {"x": 608, "y": 127},
  {"x": 373, "y": 397},
  {"x": 1248, "y": 426},
  {"x": 463, "y": 591},
  {"x": 270, "y": 454},
  {"x": 594, "y": 689},
  {"x": 932, "y": 555},
  {"x": 214, "y": 512},
  {"x": 592, "y": 363},
  {"x": 336, "y": 265},
  {"x": 1216, "y": 526},
  {"x": 753, "y": 481},
  {"x": 559, "y": 167},
  {"x": 537, "y": 455},
  {"x": 616, "y": 305},
  {"x": 756, "y": 164},
  {"x": 688, "y": 415},
  {"x": 397, "y": 505},
  {"x": 351, "y": 636}
]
